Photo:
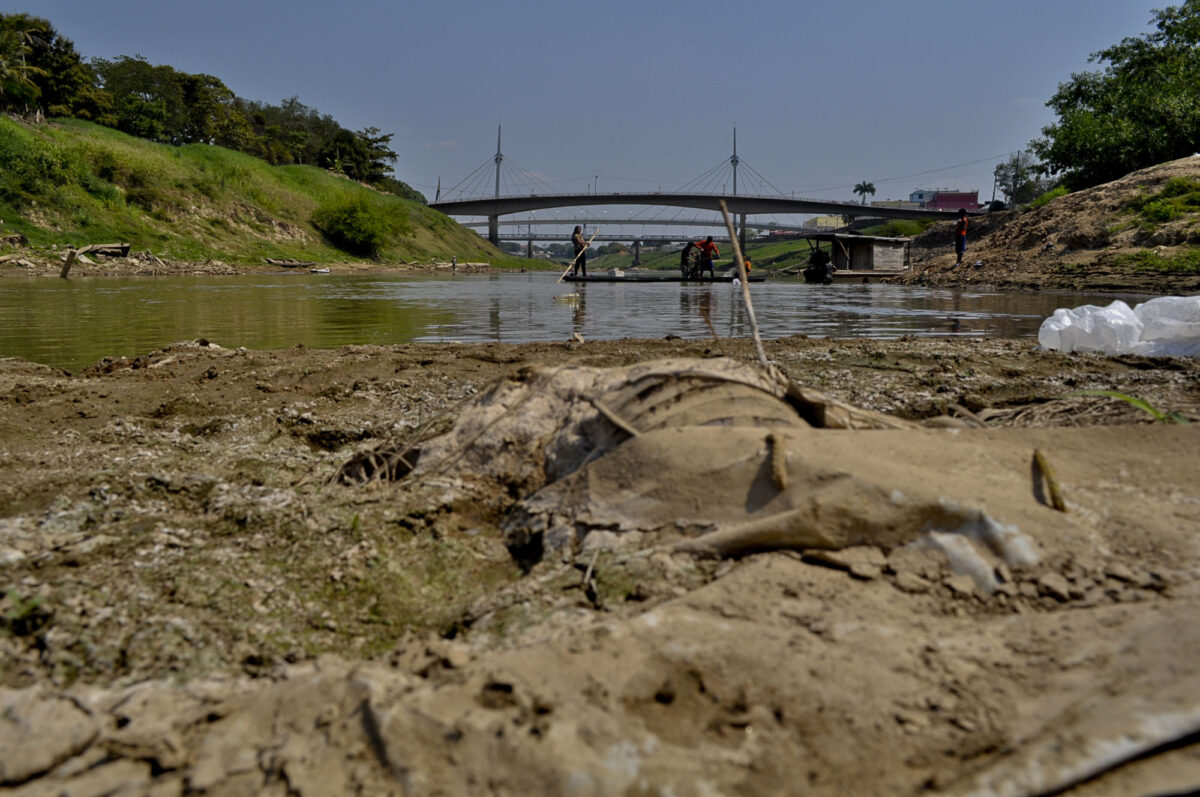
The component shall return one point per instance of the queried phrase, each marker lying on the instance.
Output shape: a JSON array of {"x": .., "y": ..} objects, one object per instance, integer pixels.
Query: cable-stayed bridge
[{"x": 514, "y": 190}]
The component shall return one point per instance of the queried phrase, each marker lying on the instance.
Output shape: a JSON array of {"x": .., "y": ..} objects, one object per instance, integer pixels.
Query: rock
[
  {"x": 1007, "y": 589},
  {"x": 911, "y": 583},
  {"x": 847, "y": 558},
  {"x": 865, "y": 572},
  {"x": 912, "y": 720},
  {"x": 961, "y": 586},
  {"x": 926, "y": 563},
  {"x": 38, "y": 733},
  {"x": 123, "y": 775},
  {"x": 1120, "y": 572},
  {"x": 1054, "y": 585},
  {"x": 10, "y": 556}
]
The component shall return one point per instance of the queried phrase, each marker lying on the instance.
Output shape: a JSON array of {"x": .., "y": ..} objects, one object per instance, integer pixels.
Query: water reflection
[
  {"x": 72, "y": 323},
  {"x": 579, "y": 314}
]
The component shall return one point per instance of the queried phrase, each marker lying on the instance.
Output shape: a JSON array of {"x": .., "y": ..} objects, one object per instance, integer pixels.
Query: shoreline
[
  {"x": 930, "y": 272},
  {"x": 1102, "y": 284}
]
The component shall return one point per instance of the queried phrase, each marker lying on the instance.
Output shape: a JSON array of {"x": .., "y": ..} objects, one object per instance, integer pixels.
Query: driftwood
[
  {"x": 107, "y": 250},
  {"x": 288, "y": 262},
  {"x": 104, "y": 250},
  {"x": 6, "y": 258}
]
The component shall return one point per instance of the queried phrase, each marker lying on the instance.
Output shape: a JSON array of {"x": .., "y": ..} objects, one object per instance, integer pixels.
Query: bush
[
  {"x": 1180, "y": 186},
  {"x": 1159, "y": 211},
  {"x": 902, "y": 228},
  {"x": 357, "y": 226},
  {"x": 1048, "y": 197}
]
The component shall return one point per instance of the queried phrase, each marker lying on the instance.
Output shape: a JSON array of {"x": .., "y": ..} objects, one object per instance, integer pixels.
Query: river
[{"x": 73, "y": 323}]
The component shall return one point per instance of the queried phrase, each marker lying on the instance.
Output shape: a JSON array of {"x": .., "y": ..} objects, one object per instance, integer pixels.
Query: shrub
[
  {"x": 1048, "y": 197},
  {"x": 901, "y": 228},
  {"x": 1180, "y": 186},
  {"x": 356, "y": 225},
  {"x": 1160, "y": 210}
]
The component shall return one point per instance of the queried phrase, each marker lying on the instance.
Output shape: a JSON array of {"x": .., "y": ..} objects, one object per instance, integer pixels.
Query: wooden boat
[{"x": 664, "y": 276}]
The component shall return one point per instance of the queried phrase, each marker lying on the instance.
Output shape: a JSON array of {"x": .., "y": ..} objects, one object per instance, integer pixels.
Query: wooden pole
[
  {"x": 66, "y": 269},
  {"x": 741, "y": 267}
]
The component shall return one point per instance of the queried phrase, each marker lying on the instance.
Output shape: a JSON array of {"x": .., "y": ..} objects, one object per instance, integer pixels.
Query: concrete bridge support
[
  {"x": 529, "y": 249},
  {"x": 637, "y": 253},
  {"x": 494, "y": 230}
]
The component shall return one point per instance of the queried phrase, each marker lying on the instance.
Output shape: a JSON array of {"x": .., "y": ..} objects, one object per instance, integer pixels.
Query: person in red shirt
[
  {"x": 708, "y": 253},
  {"x": 960, "y": 236}
]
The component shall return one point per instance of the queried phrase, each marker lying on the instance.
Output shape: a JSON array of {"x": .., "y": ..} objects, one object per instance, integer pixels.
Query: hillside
[
  {"x": 71, "y": 183},
  {"x": 1139, "y": 233}
]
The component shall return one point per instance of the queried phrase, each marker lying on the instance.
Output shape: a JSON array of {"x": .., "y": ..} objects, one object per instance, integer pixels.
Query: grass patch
[
  {"x": 900, "y": 228},
  {"x": 1186, "y": 261},
  {"x": 1048, "y": 197},
  {"x": 1180, "y": 196}
]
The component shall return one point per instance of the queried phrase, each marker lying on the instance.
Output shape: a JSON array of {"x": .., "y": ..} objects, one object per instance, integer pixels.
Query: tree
[
  {"x": 1018, "y": 179},
  {"x": 1142, "y": 108},
  {"x": 864, "y": 188},
  {"x": 147, "y": 100},
  {"x": 18, "y": 34}
]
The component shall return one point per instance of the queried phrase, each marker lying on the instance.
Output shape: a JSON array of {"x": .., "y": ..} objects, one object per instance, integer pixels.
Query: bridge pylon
[{"x": 494, "y": 220}]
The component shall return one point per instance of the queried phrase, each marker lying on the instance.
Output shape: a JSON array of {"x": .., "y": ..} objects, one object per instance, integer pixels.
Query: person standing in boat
[
  {"x": 708, "y": 253},
  {"x": 580, "y": 262}
]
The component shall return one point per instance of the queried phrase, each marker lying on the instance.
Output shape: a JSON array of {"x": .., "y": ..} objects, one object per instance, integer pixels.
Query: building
[
  {"x": 825, "y": 223},
  {"x": 945, "y": 199}
]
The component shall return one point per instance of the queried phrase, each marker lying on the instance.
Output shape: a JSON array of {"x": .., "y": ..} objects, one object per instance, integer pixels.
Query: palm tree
[
  {"x": 16, "y": 37},
  {"x": 863, "y": 189}
]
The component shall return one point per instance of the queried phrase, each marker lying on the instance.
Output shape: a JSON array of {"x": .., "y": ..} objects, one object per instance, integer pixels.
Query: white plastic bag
[{"x": 1168, "y": 326}]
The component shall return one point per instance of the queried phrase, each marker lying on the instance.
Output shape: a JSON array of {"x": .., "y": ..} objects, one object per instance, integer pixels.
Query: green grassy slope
[{"x": 71, "y": 183}]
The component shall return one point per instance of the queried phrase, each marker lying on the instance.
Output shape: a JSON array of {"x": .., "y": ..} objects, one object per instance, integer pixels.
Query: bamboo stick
[{"x": 741, "y": 266}]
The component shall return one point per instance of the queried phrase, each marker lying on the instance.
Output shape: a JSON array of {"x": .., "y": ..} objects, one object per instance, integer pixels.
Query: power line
[{"x": 914, "y": 174}]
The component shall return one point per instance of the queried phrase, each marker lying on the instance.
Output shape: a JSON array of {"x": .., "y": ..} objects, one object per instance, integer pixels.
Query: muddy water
[{"x": 73, "y": 323}]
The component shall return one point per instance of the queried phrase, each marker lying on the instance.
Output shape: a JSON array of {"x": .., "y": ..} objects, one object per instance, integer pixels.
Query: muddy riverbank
[{"x": 190, "y": 603}]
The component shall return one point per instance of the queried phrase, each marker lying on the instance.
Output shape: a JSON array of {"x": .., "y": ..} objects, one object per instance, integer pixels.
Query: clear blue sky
[{"x": 824, "y": 93}]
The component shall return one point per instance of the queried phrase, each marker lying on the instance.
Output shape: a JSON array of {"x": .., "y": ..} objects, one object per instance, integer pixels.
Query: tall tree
[
  {"x": 1142, "y": 108},
  {"x": 864, "y": 188},
  {"x": 1018, "y": 178},
  {"x": 60, "y": 81},
  {"x": 147, "y": 100},
  {"x": 18, "y": 34}
]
